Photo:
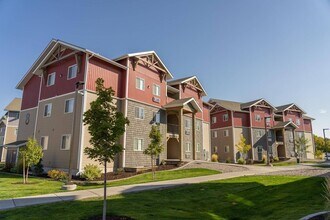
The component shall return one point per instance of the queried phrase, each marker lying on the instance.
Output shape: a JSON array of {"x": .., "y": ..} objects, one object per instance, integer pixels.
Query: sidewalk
[{"x": 94, "y": 193}]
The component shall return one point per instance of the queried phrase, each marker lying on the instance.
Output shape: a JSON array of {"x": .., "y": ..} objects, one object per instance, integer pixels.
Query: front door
[{"x": 259, "y": 148}]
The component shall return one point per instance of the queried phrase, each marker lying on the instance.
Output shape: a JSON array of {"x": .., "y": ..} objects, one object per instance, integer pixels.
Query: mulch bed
[{"x": 111, "y": 218}]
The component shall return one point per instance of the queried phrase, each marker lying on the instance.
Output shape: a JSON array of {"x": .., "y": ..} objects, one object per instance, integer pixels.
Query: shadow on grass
[{"x": 253, "y": 197}]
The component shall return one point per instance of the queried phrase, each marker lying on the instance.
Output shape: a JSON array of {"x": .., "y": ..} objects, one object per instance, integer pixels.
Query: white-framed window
[
  {"x": 225, "y": 133},
  {"x": 214, "y": 120},
  {"x": 188, "y": 147},
  {"x": 298, "y": 121},
  {"x": 72, "y": 71},
  {"x": 2, "y": 138},
  {"x": 198, "y": 125},
  {"x": 225, "y": 117},
  {"x": 215, "y": 149},
  {"x": 215, "y": 134},
  {"x": 65, "y": 141},
  {"x": 156, "y": 90},
  {"x": 257, "y": 117},
  {"x": 138, "y": 144},
  {"x": 51, "y": 79},
  {"x": 187, "y": 124},
  {"x": 16, "y": 132},
  {"x": 198, "y": 147},
  {"x": 300, "y": 134},
  {"x": 258, "y": 133},
  {"x": 139, "y": 112},
  {"x": 68, "y": 106},
  {"x": 156, "y": 117},
  {"x": 44, "y": 142},
  {"x": 48, "y": 110},
  {"x": 226, "y": 149},
  {"x": 290, "y": 119},
  {"x": 139, "y": 83}
]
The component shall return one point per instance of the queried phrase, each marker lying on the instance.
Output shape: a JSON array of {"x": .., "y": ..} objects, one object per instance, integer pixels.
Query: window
[
  {"x": 188, "y": 147},
  {"x": 16, "y": 132},
  {"x": 258, "y": 134},
  {"x": 215, "y": 149},
  {"x": 226, "y": 133},
  {"x": 138, "y": 144},
  {"x": 65, "y": 142},
  {"x": 300, "y": 134},
  {"x": 156, "y": 117},
  {"x": 44, "y": 142},
  {"x": 51, "y": 79},
  {"x": 48, "y": 110},
  {"x": 198, "y": 125},
  {"x": 298, "y": 122},
  {"x": 214, "y": 120},
  {"x": 187, "y": 124},
  {"x": 215, "y": 134},
  {"x": 257, "y": 118},
  {"x": 69, "y": 103},
  {"x": 225, "y": 117},
  {"x": 72, "y": 71},
  {"x": 139, "y": 112},
  {"x": 198, "y": 147},
  {"x": 226, "y": 149},
  {"x": 290, "y": 119},
  {"x": 140, "y": 83},
  {"x": 156, "y": 90},
  {"x": 269, "y": 134},
  {"x": 1, "y": 140}
]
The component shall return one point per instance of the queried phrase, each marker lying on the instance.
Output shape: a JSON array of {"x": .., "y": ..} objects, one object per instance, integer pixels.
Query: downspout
[
  {"x": 37, "y": 114},
  {"x": 233, "y": 129},
  {"x": 251, "y": 133},
  {"x": 125, "y": 112},
  {"x": 4, "y": 141}
]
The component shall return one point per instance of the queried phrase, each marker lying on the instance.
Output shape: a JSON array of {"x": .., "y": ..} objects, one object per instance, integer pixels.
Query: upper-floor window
[
  {"x": 139, "y": 83},
  {"x": 226, "y": 133},
  {"x": 290, "y": 119},
  {"x": 225, "y": 117},
  {"x": 187, "y": 123},
  {"x": 16, "y": 131},
  {"x": 257, "y": 118},
  {"x": 258, "y": 133},
  {"x": 72, "y": 71},
  {"x": 198, "y": 125},
  {"x": 138, "y": 144},
  {"x": 198, "y": 147},
  {"x": 65, "y": 142},
  {"x": 156, "y": 117},
  {"x": 215, "y": 149},
  {"x": 44, "y": 142},
  {"x": 214, "y": 120},
  {"x": 48, "y": 110},
  {"x": 69, "y": 103},
  {"x": 226, "y": 149},
  {"x": 215, "y": 134},
  {"x": 51, "y": 79},
  {"x": 298, "y": 121},
  {"x": 156, "y": 90},
  {"x": 139, "y": 112},
  {"x": 188, "y": 147}
]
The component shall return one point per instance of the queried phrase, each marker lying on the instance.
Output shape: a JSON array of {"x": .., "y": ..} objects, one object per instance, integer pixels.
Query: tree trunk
[
  {"x": 23, "y": 158},
  {"x": 105, "y": 192},
  {"x": 27, "y": 173},
  {"x": 152, "y": 167}
]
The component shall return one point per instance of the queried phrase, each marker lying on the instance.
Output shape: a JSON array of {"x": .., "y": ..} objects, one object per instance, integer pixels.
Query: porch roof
[
  {"x": 16, "y": 144},
  {"x": 284, "y": 124},
  {"x": 182, "y": 103}
]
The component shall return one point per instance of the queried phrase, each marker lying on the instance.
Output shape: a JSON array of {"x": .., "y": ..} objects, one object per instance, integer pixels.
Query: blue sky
[{"x": 240, "y": 49}]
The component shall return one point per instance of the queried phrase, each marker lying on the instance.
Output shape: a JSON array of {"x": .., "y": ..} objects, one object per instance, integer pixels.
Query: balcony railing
[{"x": 172, "y": 129}]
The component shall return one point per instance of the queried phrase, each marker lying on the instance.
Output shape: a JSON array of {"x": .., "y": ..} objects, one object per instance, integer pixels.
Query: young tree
[
  {"x": 301, "y": 145},
  {"x": 155, "y": 148},
  {"x": 242, "y": 147},
  {"x": 31, "y": 154},
  {"x": 105, "y": 125}
]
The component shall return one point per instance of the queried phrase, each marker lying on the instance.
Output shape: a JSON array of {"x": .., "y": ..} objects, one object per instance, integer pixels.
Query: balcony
[{"x": 172, "y": 131}]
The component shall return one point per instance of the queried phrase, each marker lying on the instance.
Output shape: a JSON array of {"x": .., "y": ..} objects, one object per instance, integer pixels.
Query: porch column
[
  {"x": 194, "y": 135},
  {"x": 284, "y": 143},
  {"x": 294, "y": 141},
  {"x": 181, "y": 132}
]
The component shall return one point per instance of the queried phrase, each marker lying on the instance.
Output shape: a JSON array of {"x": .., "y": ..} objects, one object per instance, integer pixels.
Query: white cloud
[{"x": 323, "y": 111}]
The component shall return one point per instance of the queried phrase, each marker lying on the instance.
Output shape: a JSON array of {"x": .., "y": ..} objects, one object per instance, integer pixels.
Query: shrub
[
  {"x": 264, "y": 158},
  {"x": 276, "y": 159},
  {"x": 91, "y": 172},
  {"x": 8, "y": 167},
  {"x": 241, "y": 161},
  {"x": 214, "y": 158},
  {"x": 249, "y": 161},
  {"x": 38, "y": 169},
  {"x": 318, "y": 154},
  {"x": 58, "y": 175},
  {"x": 228, "y": 160},
  {"x": 163, "y": 162}
]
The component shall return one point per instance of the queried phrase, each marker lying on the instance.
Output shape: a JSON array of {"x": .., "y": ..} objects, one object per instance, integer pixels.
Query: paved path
[{"x": 93, "y": 193}]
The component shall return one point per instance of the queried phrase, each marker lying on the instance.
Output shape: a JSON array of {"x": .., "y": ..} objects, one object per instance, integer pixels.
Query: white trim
[
  {"x": 65, "y": 105},
  {"x": 51, "y": 74},
  {"x": 125, "y": 113},
  {"x": 227, "y": 127},
  {"x": 234, "y": 136},
  {"x": 58, "y": 96},
  {"x": 28, "y": 109},
  {"x": 66, "y": 135},
  {"x": 134, "y": 100},
  {"x": 68, "y": 72},
  {"x": 45, "y": 58},
  {"x": 37, "y": 113}
]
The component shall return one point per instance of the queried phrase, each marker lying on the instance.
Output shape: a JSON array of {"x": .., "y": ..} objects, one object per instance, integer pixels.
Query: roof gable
[
  {"x": 14, "y": 105},
  {"x": 191, "y": 81},
  {"x": 290, "y": 107},
  {"x": 190, "y": 102},
  {"x": 259, "y": 102}
]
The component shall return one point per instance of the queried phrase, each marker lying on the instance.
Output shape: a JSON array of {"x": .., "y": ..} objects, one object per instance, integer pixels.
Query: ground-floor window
[
  {"x": 198, "y": 147},
  {"x": 138, "y": 144},
  {"x": 65, "y": 142},
  {"x": 188, "y": 147},
  {"x": 259, "y": 149},
  {"x": 44, "y": 142},
  {"x": 226, "y": 149}
]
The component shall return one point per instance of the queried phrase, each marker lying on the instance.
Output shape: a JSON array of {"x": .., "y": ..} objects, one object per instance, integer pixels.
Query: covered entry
[
  {"x": 12, "y": 151},
  {"x": 280, "y": 139}
]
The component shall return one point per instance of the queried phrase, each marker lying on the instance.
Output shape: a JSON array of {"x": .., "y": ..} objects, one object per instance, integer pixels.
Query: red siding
[
  {"x": 294, "y": 116},
  {"x": 220, "y": 123},
  {"x": 241, "y": 119},
  {"x": 190, "y": 92},
  {"x": 112, "y": 75},
  {"x": 31, "y": 93},
  {"x": 263, "y": 112},
  {"x": 151, "y": 77},
  {"x": 62, "y": 84},
  {"x": 308, "y": 125}
]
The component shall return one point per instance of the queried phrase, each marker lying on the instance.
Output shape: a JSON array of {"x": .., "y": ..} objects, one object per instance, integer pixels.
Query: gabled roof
[
  {"x": 183, "y": 102},
  {"x": 186, "y": 80},
  {"x": 16, "y": 144},
  {"x": 47, "y": 52},
  {"x": 284, "y": 124},
  {"x": 255, "y": 102},
  {"x": 283, "y": 108},
  {"x": 230, "y": 105},
  {"x": 308, "y": 117},
  {"x": 14, "y": 105},
  {"x": 146, "y": 53}
]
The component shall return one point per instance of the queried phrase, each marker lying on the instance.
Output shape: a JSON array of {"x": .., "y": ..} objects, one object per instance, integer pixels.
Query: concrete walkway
[{"x": 93, "y": 193}]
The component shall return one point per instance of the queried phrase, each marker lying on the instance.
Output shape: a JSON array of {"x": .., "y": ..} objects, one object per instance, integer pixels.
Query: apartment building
[
  {"x": 9, "y": 126},
  {"x": 231, "y": 120},
  {"x": 144, "y": 92}
]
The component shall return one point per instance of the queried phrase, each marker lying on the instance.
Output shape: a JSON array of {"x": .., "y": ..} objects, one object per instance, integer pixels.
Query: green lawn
[
  {"x": 253, "y": 197},
  {"x": 160, "y": 176},
  {"x": 11, "y": 185}
]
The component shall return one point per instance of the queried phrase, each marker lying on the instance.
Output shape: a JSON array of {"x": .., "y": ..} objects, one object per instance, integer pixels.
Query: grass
[
  {"x": 253, "y": 197},
  {"x": 160, "y": 176},
  {"x": 11, "y": 186}
]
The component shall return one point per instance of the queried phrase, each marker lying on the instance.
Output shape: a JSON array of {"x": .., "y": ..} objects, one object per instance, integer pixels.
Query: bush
[
  {"x": 38, "y": 169},
  {"x": 8, "y": 167},
  {"x": 91, "y": 172},
  {"x": 318, "y": 154},
  {"x": 228, "y": 160},
  {"x": 276, "y": 159},
  {"x": 249, "y": 161},
  {"x": 264, "y": 158},
  {"x": 214, "y": 158},
  {"x": 58, "y": 175},
  {"x": 241, "y": 161}
]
